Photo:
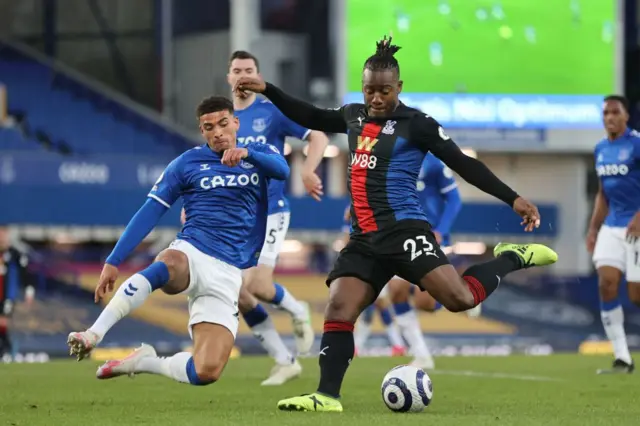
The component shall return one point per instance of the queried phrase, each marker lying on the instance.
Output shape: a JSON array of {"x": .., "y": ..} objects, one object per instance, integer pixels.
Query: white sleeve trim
[
  {"x": 449, "y": 188},
  {"x": 306, "y": 135},
  {"x": 160, "y": 200}
]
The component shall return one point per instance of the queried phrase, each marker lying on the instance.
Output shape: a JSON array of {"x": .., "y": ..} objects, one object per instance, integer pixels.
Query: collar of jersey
[
  {"x": 401, "y": 111},
  {"x": 256, "y": 100},
  {"x": 208, "y": 148},
  {"x": 626, "y": 133}
]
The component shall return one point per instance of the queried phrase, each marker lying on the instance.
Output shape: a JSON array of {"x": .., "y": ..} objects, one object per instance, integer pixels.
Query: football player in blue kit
[
  {"x": 224, "y": 189},
  {"x": 615, "y": 224},
  {"x": 261, "y": 122}
]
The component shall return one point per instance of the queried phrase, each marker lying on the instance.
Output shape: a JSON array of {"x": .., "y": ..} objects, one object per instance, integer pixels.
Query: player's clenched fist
[
  {"x": 108, "y": 278},
  {"x": 233, "y": 156},
  {"x": 250, "y": 84},
  {"x": 529, "y": 213}
]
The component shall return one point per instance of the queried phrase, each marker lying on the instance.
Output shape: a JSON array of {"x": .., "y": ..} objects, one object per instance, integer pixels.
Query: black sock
[
  {"x": 484, "y": 278},
  {"x": 336, "y": 352}
]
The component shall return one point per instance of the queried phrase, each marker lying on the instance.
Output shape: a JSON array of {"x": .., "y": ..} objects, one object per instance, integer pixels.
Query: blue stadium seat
[
  {"x": 13, "y": 140},
  {"x": 86, "y": 121}
]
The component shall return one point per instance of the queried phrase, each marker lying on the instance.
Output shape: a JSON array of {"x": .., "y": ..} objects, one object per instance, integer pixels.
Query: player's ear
[
  {"x": 236, "y": 122},
  {"x": 399, "y": 87},
  {"x": 229, "y": 79}
]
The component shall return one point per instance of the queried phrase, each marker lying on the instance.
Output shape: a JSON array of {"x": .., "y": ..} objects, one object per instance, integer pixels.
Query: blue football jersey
[
  {"x": 434, "y": 181},
  {"x": 226, "y": 207},
  {"x": 618, "y": 168},
  {"x": 261, "y": 122}
]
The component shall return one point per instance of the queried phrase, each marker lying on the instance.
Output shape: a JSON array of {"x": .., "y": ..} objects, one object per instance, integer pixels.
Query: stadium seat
[
  {"x": 13, "y": 140},
  {"x": 74, "y": 115}
]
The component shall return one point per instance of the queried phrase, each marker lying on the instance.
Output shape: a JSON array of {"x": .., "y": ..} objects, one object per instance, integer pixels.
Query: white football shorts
[
  {"x": 277, "y": 227},
  {"x": 612, "y": 249},
  {"x": 214, "y": 288}
]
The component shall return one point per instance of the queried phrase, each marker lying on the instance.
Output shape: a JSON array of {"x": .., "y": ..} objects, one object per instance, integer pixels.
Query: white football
[{"x": 406, "y": 388}]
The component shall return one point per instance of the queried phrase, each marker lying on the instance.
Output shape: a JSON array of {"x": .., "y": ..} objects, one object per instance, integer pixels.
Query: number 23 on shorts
[{"x": 419, "y": 246}]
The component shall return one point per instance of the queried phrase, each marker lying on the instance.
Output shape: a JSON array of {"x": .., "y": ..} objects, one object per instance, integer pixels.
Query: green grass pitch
[
  {"x": 523, "y": 391},
  {"x": 474, "y": 46}
]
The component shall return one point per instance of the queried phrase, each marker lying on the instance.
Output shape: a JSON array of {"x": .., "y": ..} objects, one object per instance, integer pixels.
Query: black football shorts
[{"x": 407, "y": 249}]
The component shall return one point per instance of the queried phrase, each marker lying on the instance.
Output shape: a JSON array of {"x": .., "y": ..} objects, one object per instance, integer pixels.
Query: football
[{"x": 407, "y": 389}]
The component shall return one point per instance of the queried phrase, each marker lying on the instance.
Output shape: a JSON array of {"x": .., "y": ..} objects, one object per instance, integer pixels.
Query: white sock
[
  {"x": 131, "y": 294},
  {"x": 174, "y": 367},
  {"x": 410, "y": 327},
  {"x": 361, "y": 333},
  {"x": 393, "y": 333},
  {"x": 271, "y": 341},
  {"x": 613, "y": 322},
  {"x": 291, "y": 304}
]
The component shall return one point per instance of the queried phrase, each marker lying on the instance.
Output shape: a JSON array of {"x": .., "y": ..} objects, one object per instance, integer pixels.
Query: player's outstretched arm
[
  {"x": 268, "y": 160},
  {"x": 164, "y": 193},
  {"x": 428, "y": 133},
  {"x": 140, "y": 225},
  {"x": 431, "y": 137},
  {"x": 303, "y": 113}
]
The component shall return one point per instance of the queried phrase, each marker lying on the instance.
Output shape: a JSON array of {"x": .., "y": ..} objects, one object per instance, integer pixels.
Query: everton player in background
[
  {"x": 615, "y": 225},
  {"x": 390, "y": 232}
]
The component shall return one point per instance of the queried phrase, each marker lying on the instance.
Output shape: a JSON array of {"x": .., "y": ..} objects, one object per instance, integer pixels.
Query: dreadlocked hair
[{"x": 383, "y": 59}]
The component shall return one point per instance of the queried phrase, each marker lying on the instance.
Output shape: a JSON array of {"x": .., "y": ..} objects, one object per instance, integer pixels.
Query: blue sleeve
[
  {"x": 291, "y": 128},
  {"x": 139, "y": 227},
  {"x": 268, "y": 160},
  {"x": 168, "y": 187},
  {"x": 446, "y": 180},
  {"x": 453, "y": 203},
  {"x": 452, "y": 206}
]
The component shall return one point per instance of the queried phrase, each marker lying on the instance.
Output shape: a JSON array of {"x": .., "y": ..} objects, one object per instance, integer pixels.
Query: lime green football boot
[
  {"x": 529, "y": 254},
  {"x": 313, "y": 402}
]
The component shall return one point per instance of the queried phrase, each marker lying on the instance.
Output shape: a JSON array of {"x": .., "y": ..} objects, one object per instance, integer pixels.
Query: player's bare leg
[
  {"x": 348, "y": 297},
  {"x": 212, "y": 346},
  {"x": 257, "y": 318},
  {"x": 259, "y": 282},
  {"x": 409, "y": 323},
  {"x": 459, "y": 294},
  {"x": 385, "y": 309},
  {"x": 613, "y": 318},
  {"x": 170, "y": 272}
]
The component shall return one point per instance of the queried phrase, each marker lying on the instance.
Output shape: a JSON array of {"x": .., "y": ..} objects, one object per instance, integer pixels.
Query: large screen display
[{"x": 515, "y": 58}]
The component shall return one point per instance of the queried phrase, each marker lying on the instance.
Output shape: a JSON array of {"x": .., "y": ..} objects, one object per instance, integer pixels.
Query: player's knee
[
  {"x": 382, "y": 302},
  {"x": 608, "y": 285},
  {"x": 246, "y": 301},
  {"x": 178, "y": 266},
  {"x": 260, "y": 283},
  {"x": 400, "y": 294},
  {"x": 341, "y": 309},
  {"x": 425, "y": 302},
  {"x": 208, "y": 370},
  {"x": 458, "y": 299}
]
